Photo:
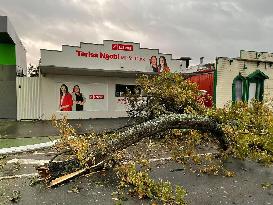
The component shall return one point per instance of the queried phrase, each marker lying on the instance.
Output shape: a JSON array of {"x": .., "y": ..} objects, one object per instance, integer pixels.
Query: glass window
[
  {"x": 238, "y": 90},
  {"x": 121, "y": 90},
  {"x": 258, "y": 90}
]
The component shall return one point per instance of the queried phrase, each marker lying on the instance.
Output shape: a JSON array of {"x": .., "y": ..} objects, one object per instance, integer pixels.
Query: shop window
[{"x": 121, "y": 90}]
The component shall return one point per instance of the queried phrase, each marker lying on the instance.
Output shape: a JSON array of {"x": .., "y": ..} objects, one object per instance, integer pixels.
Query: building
[
  {"x": 200, "y": 68},
  {"x": 247, "y": 77},
  {"x": 102, "y": 72},
  {"x": 12, "y": 62}
]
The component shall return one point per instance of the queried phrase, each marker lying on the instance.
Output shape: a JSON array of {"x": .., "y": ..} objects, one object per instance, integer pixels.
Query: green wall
[
  {"x": 8, "y": 99},
  {"x": 7, "y": 54}
]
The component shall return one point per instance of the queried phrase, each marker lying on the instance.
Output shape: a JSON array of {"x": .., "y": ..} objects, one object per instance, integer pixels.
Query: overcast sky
[{"x": 191, "y": 28}]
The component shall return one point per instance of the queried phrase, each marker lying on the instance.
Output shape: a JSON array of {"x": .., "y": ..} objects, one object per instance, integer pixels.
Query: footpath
[{"x": 20, "y": 136}]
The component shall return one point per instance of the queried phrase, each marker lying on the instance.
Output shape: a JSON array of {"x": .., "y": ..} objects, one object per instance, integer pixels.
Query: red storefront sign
[
  {"x": 96, "y": 97},
  {"x": 122, "y": 47},
  {"x": 109, "y": 56}
]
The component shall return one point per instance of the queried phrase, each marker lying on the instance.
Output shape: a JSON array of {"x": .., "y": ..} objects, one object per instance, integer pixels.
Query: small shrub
[{"x": 145, "y": 187}]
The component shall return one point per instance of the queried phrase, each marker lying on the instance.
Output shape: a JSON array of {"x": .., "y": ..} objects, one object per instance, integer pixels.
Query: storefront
[{"x": 101, "y": 73}]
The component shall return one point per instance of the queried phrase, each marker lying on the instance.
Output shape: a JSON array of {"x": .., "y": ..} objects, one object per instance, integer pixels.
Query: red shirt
[{"x": 67, "y": 100}]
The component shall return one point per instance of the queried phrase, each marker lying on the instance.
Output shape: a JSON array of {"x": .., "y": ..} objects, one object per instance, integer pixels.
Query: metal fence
[{"x": 28, "y": 98}]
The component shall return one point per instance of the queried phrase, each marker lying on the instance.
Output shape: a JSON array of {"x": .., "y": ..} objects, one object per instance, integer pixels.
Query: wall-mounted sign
[
  {"x": 122, "y": 47},
  {"x": 111, "y": 55},
  {"x": 96, "y": 97}
]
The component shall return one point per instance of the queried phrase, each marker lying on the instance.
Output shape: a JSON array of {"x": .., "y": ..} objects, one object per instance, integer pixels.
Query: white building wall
[
  {"x": 228, "y": 69},
  {"x": 109, "y": 107},
  {"x": 21, "y": 62}
]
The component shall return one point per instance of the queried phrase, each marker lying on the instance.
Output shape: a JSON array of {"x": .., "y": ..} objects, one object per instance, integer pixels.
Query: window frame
[{"x": 241, "y": 78}]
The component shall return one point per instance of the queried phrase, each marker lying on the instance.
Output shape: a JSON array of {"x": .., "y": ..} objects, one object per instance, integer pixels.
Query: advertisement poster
[
  {"x": 159, "y": 64},
  {"x": 152, "y": 63},
  {"x": 81, "y": 97}
]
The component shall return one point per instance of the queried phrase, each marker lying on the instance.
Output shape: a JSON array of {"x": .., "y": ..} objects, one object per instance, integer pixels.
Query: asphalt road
[{"x": 243, "y": 189}]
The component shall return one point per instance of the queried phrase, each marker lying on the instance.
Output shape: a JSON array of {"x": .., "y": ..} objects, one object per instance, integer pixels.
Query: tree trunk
[{"x": 166, "y": 122}]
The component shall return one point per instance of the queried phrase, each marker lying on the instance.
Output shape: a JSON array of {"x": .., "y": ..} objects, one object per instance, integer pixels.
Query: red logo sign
[
  {"x": 122, "y": 47},
  {"x": 96, "y": 97}
]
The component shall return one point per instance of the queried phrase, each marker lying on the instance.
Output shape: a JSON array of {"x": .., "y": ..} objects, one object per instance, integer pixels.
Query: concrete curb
[{"x": 26, "y": 148}]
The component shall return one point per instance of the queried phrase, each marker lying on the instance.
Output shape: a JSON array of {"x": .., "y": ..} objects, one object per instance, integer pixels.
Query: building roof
[
  {"x": 8, "y": 33},
  {"x": 185, "y": 58}
]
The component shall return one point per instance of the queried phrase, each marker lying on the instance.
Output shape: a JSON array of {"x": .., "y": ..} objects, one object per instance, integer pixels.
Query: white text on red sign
[{"x": 96, "y": 97}]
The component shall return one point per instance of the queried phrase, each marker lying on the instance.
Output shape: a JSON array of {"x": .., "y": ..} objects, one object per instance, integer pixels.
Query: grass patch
[{"x": 6, "y": 143}]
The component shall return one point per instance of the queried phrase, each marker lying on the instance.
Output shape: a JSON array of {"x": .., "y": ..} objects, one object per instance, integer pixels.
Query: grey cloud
[{"x": 193, "y": 28}]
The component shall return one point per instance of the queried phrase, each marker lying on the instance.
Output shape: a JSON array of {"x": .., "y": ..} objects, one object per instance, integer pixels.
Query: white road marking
[
  {"x": 26, "y": 148},
  {"x": 159, "y": 159},
  {"x": 43, "y": 153},
  {"x": 28, "y": 161},
  {"x": 42, "y": 162},
  {"x": 19, "y": 176}
]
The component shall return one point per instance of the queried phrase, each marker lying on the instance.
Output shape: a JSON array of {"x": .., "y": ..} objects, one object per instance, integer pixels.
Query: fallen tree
[
  {"x": 97, "y": 158},
  {"x": 150, "y": 128},
  {"x": 170, "y": 105}
]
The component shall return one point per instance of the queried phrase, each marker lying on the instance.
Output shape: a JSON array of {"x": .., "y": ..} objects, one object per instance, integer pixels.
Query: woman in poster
[
  {"x": 163, "y": 67},
  {"x": 153, "y": 63},
  {"x": 66, "y": 101},
  {"x": 78, "y": 98}
]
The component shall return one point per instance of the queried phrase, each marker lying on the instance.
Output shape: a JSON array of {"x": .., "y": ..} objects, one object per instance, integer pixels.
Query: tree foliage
[
  {"x": 33, "y": 71},
  {"x": 249, "y": 128},
  {"x": 164, "y": 94}
]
